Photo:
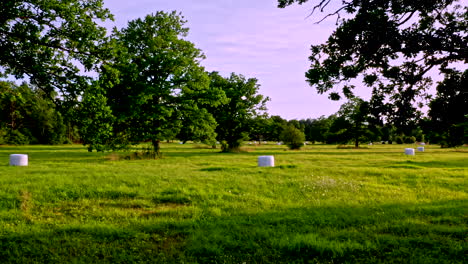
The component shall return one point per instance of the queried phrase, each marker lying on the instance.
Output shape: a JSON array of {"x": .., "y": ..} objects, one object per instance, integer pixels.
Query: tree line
[
  {"x": 29, "y": 117},
  {"x": 446, "y": 122},
  {"x": 151, "y": 86}
]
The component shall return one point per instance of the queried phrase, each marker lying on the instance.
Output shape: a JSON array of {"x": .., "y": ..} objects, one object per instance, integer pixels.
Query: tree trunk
[
  {"x": 233, "y": 146},
  {"x": 356, "y": 143},
  {"x": 156, "y": 148}
]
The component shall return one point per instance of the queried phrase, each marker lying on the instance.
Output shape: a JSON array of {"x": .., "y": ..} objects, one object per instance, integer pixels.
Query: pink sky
[
  {"x": 253, "y": 38},
  {"x": 256, "y": 39}
]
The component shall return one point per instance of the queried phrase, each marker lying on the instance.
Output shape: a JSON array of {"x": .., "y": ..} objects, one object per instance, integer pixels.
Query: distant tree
[
  {"x": 244, "y": 104},
  {"x": 293, "y": 137},
  {"x": 389, "y": 45},
  {"x": 47, "y": 41},
  {"x": 45, "y": 122},
  {"x": 316, "y": 129},
  {"x": 28, "y": 116},
  {"x": 275, "y": 127},
  {"x": 296, "y": 123},
  {"x": 155, "y": 80},
  {"x": 13, "y": 104},
  {"x": 448, "y": 110},
  {"x": 260, "y": 126},
  {"x": 465, "y": 126},
  {"x": 193, "y": 129},
  {"x": 96, "y": 120},
  {"x": 351, "y": 122}
]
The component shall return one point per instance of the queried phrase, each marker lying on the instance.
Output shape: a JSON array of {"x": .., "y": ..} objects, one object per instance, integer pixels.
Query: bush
[
  {"x": 2, "y": 137},
  {"x": 292, "y": 137},
  {"x": 409, "y": 140},
  {"x": 15, "y": 137}
]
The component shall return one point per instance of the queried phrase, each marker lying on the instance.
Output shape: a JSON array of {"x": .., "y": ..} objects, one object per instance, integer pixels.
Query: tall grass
[{"x": 196, "y": 205}]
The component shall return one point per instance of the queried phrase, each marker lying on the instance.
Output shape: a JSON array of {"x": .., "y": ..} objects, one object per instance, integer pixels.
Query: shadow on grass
[
  {"x": 426, "y": 233},
  {"x": 452, "y": 163},
  {"x": 95, "y": 244},
  {"x": 398, "y": 233}
]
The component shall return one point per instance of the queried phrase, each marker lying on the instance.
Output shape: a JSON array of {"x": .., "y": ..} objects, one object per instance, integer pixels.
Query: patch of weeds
[
  {"x": 74, "y": 194},
  {"x": 25, "y": 198},
  {"x": 141, "y": 156},
  {"x": 113, "y": 157},
  {"x": 461, "y": 150}
]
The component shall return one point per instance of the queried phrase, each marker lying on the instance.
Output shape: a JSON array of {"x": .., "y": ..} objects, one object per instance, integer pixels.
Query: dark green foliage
[
  {"x": 315, "y": 130},
  {"x": 155, "y": 84},
  {"x": 96, "y": 121},
  {"x": 275, "y": 127},
  {"x": 244, "y": 104},
  {"x": 449, "y": 109},
  {"x": 28, "y": 116},
  {"x": 260, "y": 128},
  {"x": 198, "y": 126},
  {"x": 293, "y": 137},
  {"x": 351, "y": 123},
  {"x": 403, "y": 139},
  {"x": 46, "y": 41}
]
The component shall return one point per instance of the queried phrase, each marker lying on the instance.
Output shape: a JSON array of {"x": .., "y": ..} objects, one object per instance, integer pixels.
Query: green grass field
[{"x": 318, "y": 205}]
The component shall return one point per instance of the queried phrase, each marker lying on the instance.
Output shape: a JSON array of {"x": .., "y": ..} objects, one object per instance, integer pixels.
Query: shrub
[
  {"x": 292, "y": 137},
  {"x": 409, "y": 139}
]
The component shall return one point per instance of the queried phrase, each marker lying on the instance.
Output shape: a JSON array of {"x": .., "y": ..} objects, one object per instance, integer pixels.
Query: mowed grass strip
[{"x": 318, "y": 205}]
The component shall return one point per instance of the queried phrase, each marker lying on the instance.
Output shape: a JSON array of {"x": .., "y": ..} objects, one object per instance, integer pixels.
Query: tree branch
[{"x": 401, "y": 22}]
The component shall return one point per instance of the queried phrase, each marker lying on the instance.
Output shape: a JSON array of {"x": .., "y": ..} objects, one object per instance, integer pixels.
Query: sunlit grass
[{"x": 196, "y": 205}]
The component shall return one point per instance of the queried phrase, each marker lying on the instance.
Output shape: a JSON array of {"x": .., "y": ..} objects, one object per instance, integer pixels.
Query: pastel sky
[{"x": 253, "y": 38}]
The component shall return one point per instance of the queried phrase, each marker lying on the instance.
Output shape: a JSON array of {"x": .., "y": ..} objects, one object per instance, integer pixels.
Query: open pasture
[{"x": 318, "y": 205}]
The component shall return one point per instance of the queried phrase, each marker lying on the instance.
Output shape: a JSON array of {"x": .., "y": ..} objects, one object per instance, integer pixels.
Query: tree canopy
[
  {"x": 449, "y": 109},
  {"x": 28, "y": 116},
  {"x": 155, "y": 81},
  {"x": 244, "y": 104},
  {"x": 50, "y": 41},
  {"x": 390, "y": 45}
]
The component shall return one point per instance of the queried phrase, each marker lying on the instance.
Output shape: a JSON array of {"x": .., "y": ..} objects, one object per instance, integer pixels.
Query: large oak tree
[
  {"x": 155, "y": 81},
  {"x": 244, "y": 104},
  {"x": 391, "y": 45}
]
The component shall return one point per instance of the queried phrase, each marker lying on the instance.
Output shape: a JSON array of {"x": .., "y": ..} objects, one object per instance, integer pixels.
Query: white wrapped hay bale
[
  {"x": 409, "y": 151},
  {"x": 18, "y": 160},
  {"x": 266, "y": 161},
  {"x": 421, "y": 149}
]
